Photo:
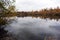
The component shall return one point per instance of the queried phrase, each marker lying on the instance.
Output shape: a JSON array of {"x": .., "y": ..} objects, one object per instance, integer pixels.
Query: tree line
[{"x": 51, "y": 13}]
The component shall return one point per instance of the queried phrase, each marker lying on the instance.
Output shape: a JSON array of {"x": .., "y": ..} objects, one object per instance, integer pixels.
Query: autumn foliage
[{"x": 51, "y": 13}]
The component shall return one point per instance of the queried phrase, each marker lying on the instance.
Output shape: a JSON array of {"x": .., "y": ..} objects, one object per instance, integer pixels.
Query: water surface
[{"x": 31, "y": 28}]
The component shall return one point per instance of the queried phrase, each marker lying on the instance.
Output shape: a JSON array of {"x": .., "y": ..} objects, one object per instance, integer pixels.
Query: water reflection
[{"x": 29, "y": 28}]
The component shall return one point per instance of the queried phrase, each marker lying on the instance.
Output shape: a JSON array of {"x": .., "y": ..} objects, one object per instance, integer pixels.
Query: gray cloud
[{"x": 28, "y": 5}]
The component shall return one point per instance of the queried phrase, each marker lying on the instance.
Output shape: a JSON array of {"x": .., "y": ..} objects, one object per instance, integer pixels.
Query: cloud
[{"x": 28, "y": 5}]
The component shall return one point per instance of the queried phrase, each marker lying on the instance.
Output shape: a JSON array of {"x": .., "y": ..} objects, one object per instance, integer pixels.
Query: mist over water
[{"x": 28, "y": 28}]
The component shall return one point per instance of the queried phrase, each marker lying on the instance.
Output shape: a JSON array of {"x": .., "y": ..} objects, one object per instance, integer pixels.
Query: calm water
[{"x": 29, "y": 28}]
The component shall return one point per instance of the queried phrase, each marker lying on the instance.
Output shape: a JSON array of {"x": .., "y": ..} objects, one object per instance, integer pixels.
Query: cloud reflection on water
[{"x": 34, "y": 26}]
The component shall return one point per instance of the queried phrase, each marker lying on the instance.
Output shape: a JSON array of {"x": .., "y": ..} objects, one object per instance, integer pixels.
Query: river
[{"x": 32, "y": 28}]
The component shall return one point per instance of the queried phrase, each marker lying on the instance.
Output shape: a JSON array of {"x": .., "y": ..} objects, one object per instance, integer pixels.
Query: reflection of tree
[{"x": 3, "y": 32}]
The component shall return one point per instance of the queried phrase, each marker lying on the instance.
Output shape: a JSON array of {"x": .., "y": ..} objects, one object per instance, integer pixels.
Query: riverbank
[
  {"x": 3, "y": 32},
  {"x": 46, "y": 13}
]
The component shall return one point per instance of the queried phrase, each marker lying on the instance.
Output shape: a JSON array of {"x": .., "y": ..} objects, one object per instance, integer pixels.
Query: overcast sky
[{"x": 29, "y": 5}]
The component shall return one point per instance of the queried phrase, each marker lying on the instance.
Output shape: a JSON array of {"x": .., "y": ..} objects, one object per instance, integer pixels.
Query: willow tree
[{"x": 4, "y": 6}]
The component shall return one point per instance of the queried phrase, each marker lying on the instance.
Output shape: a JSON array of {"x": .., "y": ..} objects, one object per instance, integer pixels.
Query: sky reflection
[{"x": 34, "y": 25}]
